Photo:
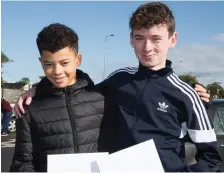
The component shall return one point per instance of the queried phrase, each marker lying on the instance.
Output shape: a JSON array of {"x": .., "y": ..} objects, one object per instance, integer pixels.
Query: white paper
[
  {"x": 139, "y": 158},
  {"x": 76, "y": 163}
]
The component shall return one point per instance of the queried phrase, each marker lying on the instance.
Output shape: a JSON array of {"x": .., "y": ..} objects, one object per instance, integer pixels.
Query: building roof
[{"x": 13, "y": 85}]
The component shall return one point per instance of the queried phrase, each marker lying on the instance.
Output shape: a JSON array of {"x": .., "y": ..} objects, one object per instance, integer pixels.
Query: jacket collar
[
  {"x": 145, "y": 72},
  {"x": 45, "y": 88}
]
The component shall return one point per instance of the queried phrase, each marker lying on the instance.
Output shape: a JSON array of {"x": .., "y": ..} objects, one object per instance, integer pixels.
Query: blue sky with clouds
[{"x": 199, "y": 24}]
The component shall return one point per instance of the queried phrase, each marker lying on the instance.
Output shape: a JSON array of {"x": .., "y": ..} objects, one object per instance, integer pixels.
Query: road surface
[{"x": 7, "y": 151}]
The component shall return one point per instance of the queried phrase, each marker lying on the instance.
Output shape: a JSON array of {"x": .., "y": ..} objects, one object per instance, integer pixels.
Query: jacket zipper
[
  {"x": 137, "y": 103},
  {"x": 72, "y": 121}
]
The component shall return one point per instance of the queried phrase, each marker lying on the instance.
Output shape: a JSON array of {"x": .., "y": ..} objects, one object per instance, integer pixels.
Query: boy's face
[
  {"x": 151, "y": 45},
  {"x": 60, "y": 67}
]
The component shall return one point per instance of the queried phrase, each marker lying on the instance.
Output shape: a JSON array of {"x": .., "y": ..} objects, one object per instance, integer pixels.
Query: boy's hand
[
  {"x": 202, "y": 92},
  {"x": 27, "y": 97}
]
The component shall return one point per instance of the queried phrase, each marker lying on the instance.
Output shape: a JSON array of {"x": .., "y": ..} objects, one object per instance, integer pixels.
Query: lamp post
[
  {"x": 104, "y": 59},
  {"x": 217, "y": 88}
]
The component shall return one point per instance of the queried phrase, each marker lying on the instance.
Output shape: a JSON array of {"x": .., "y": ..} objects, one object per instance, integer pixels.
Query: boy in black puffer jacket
[{"x": 66, "y": 112}]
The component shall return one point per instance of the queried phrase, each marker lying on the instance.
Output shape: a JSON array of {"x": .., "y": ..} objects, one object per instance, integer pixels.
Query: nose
[
  {"x": 58, "y": 69},
  {"x": 148, "y": 46}
]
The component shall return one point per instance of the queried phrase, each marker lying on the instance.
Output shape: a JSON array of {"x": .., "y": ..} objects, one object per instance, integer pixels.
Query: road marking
[{"x": 8, "y": 144}]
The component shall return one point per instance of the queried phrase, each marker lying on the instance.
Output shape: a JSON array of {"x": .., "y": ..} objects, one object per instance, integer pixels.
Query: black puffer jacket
[{"x": 58, "y": 121}]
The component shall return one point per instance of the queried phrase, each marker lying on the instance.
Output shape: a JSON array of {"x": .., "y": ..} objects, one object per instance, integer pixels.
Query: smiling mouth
[
  {"x": 59, "y": 80},
  {"x": 148, "y": 55}
]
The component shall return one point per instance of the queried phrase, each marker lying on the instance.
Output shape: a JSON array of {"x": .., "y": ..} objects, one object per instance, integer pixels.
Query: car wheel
[{"x": 12, "y": 125}]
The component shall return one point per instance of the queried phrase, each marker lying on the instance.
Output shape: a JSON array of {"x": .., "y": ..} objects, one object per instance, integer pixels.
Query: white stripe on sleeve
[
  {"x": 131, "y": 70},
  {"x": 198, "y": 100},
  {"x": 202, "y": 136},
  {"x": 194, "y": 108}
]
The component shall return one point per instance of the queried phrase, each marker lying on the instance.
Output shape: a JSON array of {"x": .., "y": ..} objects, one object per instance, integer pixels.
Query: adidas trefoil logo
[{"x": 162, "y": 107}]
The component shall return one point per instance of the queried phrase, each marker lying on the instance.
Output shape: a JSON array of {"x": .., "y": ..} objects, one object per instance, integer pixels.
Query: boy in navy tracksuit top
[
  {"x": 151, "y": 102},
  {"x": 158, "y": 105}
]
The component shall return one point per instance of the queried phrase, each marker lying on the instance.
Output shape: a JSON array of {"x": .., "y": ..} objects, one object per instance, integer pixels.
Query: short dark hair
[
  {"x": 150, "y": 14},
  {"x": 57, "y": 36}
]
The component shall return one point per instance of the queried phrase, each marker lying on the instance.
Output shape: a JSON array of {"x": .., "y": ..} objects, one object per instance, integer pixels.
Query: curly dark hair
[
  {"x": 150, "y": 14},
  {"x": 57, "y": 36}
]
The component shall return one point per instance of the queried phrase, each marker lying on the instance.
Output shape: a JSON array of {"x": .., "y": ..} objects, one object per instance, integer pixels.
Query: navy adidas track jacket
[{"x": 142, "y": 104}]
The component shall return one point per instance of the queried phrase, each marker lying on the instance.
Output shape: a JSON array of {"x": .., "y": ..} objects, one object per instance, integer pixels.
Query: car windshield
[{"x": 219, "y": 120}]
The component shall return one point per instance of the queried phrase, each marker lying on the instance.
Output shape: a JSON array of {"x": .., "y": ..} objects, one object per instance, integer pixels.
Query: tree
[
  {"x": 24, "y": 81},
  {"x": 188, "y": 78},
  {"x": 4, "y": 60},
  {"x": 216, "y": 90}
]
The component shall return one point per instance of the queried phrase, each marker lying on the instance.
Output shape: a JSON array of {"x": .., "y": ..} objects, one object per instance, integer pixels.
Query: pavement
[{"x": 7, "y": 151}]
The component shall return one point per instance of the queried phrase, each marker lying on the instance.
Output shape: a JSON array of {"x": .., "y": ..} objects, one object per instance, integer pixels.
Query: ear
[
  {"x": 173, "y": 40},
  {"x": 131, "y": 39},
  {"x": 78, "y": 60}
]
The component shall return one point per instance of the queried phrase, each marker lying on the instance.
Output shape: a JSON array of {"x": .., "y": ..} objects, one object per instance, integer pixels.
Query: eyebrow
[
  {"x": 137, "y": 35},
  {"x": 157, "y": 36},
  {"x": 48, "y": 61}
]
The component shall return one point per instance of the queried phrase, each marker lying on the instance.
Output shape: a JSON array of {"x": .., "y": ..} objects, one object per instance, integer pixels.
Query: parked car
[
  {"x": 12, "y": 122},
  {"x": 216, "y": 113}
]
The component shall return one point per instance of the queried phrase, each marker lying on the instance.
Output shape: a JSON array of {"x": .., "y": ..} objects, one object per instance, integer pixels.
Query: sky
[{"x": 199, "y": 50}]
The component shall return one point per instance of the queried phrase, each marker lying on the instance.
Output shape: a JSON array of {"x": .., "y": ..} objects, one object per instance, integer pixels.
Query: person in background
[{"x": 7, "y": 112}]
